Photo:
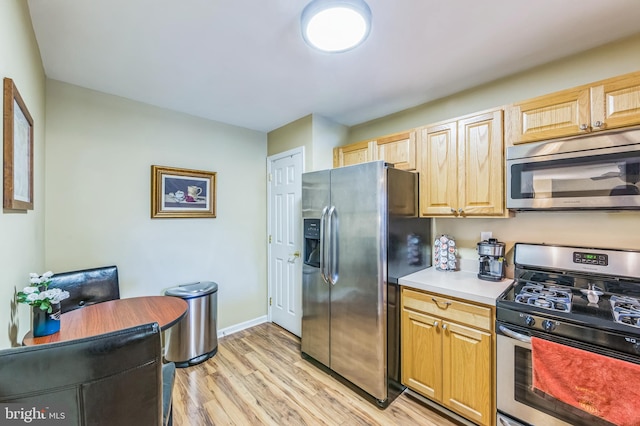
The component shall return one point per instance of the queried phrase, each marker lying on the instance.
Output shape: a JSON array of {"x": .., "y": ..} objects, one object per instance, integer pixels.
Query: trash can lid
[{"x": 188, "y": 291}]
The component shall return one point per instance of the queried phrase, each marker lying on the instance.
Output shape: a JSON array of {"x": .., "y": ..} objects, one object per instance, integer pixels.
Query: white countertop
[{"x": 460, "y": 284}]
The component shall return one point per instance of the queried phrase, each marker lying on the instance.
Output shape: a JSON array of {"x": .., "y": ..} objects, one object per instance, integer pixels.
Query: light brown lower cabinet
[{"x": 447, "y": 353}]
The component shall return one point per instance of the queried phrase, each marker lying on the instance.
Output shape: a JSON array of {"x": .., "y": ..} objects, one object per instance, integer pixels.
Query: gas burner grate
[
  {"x": 626, "y": 310},
  {"x": 550, "y": 297}
]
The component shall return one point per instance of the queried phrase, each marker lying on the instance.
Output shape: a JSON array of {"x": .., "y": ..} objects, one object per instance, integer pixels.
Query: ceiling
[{"x": 243, "y": 62}]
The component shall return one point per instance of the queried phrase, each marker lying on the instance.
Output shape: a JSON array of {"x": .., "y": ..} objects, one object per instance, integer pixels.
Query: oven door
[
  {"x": 516, "y": 399},
  {"x": 603, "y": 178}
]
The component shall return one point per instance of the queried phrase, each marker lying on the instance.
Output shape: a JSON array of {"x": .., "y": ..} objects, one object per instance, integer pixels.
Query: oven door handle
[{"x": 514, "y": 335}]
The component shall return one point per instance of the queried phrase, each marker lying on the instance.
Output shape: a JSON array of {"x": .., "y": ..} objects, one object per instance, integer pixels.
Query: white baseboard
[{"x": 242, "y": 326}]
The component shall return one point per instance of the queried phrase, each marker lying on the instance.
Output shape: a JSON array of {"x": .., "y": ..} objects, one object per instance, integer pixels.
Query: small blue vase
[{"x": 45, "y": 323}]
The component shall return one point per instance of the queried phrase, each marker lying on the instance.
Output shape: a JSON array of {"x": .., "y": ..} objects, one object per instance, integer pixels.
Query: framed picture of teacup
[
  {"x": 17, "y": 150},
  {"x": 182, "y": 193}
]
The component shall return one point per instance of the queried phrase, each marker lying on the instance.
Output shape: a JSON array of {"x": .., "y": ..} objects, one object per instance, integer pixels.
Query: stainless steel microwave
[{"x": 592, "y": 172}]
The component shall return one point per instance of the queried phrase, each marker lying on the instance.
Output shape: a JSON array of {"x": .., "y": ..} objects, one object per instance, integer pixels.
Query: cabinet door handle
[
  {"x": 460, "y": 211},
  {"x": 437, "y": 302},
  {"x": 444, "y": 326},
  {"x": 598, "y": 124},
  {"x": 453, "y": 210},
  {"x": 436, "y": 324},
  {"x": 584, "y": 127}
]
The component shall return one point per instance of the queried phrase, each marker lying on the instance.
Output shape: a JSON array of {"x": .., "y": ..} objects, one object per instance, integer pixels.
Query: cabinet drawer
[{"x": 451, "y": 309}]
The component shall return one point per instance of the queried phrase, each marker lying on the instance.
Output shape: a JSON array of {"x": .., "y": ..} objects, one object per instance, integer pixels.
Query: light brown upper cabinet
[
  {"x": 616, "y": 102},
  {"x": 462, "y": 168},
  {"x": 398, "y": 149},
  {"x": 607, "y": 104},
  {"x": 355, "y": 153}
]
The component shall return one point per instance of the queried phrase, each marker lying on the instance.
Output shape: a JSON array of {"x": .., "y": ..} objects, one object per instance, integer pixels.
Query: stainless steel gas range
[{"x": 569, "y": 338}]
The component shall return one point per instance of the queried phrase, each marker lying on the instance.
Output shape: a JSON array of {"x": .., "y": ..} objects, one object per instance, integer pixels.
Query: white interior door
[{"x": 285, "y": 240}]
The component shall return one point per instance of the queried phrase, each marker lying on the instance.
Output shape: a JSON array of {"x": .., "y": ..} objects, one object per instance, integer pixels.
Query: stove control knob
[
  {"x": 529, "y": 320},
  {"x": 549, "y": 325},
  {"x": 636, "y": 348}
]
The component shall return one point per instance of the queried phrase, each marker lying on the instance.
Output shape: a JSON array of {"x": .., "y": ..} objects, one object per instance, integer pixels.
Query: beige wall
[
  {"x": 582, "y": 228},
  {"x": 607, "y": 61},
  {"x": 327, "y": 135},
  {"x": 600, "y": 229},
  {"x": 293, "y": 135},
  {"x": 318, "y": 135},
  {"x": 100, "y": 149},
  {"x": 22, "y": 248}
]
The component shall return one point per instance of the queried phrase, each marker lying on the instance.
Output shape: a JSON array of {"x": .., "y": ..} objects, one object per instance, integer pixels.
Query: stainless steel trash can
[{"x": 195, "y": 338}]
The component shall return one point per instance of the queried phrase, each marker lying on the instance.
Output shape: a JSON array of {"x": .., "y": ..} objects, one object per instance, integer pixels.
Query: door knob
[{"x": 295, "y": 255}]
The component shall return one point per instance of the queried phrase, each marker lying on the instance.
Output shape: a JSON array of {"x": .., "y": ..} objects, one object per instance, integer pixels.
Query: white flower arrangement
[{"x": 39, "y": 294}]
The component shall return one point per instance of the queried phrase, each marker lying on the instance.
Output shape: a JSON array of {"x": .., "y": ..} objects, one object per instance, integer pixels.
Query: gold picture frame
[
  {"x": 17, "y": 150},
  {"x": 182, "y": 193}
]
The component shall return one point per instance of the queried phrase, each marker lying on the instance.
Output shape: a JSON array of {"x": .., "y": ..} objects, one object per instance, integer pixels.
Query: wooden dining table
[{"x": 114, "y": 315}]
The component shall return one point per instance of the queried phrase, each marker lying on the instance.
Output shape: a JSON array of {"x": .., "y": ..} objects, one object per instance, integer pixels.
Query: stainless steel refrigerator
[{"x": 361, "y": 233}]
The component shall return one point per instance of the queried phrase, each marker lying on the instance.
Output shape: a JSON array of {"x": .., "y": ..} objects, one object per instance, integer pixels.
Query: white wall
[
  {"x": 22, "y": 234},
  {"x": 100, "y": 149}
]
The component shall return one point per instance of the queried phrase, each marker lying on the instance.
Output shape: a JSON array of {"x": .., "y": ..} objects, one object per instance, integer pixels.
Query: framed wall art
[
  {"x": 182, "y": 193},
  {"x": 18, "y": 151}
]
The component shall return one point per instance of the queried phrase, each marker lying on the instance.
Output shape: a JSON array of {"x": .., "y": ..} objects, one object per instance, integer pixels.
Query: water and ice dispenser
[{"x": 312, "y": 242}]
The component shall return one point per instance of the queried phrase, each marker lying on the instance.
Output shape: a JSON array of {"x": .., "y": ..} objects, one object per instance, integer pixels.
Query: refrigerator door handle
[
  {"x": 323, "y": 245},
  {"x": 333, "y": 246}
]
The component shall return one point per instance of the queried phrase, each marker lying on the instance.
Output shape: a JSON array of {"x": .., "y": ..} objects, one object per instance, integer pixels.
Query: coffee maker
[{"x": 492, "y": 263}]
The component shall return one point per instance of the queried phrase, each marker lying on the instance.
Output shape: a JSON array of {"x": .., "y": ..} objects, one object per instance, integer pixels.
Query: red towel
[{"x": 604, "y": 387}]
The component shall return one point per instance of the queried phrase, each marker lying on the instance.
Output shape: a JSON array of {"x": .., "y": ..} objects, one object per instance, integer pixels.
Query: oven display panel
[{"x": 590, "y": 258}]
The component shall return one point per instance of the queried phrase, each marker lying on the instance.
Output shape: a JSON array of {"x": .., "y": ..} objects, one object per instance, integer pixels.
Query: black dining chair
[
  {"x": 116, "y": 378},
  {"x": 87, "y": 286}
]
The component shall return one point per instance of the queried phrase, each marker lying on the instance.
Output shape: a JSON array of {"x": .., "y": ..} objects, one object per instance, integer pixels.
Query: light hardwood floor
[{"x": 258, "y": 377}]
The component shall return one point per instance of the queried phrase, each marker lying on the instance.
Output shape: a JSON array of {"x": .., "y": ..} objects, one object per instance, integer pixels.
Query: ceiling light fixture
[{"x": 336, "y": 25}]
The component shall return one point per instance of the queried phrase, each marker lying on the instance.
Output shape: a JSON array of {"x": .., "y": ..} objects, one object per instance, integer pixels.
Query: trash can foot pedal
[{"x": 197, "y": 360}]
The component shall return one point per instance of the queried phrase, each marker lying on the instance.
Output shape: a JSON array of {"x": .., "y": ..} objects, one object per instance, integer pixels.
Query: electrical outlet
[{"x": 485, "y": 235}]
